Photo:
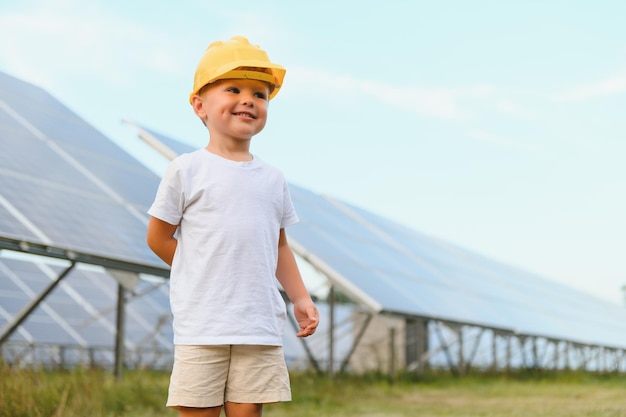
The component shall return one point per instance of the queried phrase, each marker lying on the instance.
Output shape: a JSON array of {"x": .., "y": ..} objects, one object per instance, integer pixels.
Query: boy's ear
[{"x": 198, "y": 106}]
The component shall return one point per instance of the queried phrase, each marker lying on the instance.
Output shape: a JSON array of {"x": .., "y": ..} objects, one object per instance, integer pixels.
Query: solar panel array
[
  {"x": 401, "y": 271},
  {"x": 64, "y": 184}
]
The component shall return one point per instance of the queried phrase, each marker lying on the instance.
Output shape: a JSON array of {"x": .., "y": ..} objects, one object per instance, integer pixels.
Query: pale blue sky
[{"x": 496, "y": 125}]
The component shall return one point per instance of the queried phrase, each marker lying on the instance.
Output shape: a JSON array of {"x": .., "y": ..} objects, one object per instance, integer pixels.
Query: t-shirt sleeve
[
  {"x": 289, "y": 212},
  {"x": 168, "y": 204}
]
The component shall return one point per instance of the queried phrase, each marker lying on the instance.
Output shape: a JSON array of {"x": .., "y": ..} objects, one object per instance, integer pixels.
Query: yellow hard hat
[{"x": 236, "y": 58}]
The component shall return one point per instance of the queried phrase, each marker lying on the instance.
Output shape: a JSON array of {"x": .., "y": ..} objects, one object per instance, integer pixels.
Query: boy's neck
[{"x": 237, "y": 153}]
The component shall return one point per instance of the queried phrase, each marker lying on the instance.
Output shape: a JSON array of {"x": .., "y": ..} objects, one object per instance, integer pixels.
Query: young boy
[{"x": 228, "y": 210}]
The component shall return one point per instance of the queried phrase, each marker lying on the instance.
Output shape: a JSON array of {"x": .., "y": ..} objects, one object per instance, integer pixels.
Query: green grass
[
  {"x": 95, "y": 393},
  {"x": 81, "y": 393},
  {"x": 480, "y": 395}
]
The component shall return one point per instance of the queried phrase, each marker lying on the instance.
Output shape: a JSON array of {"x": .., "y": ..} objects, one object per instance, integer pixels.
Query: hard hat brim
[{"x": 275, "y": 79}]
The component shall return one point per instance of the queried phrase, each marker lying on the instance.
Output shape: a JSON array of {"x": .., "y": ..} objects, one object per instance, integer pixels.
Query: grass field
[{"x": 95, "y": 393}]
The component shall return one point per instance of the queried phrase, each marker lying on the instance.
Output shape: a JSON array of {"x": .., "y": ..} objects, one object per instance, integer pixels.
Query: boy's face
[{"x": 234, "y": 108}]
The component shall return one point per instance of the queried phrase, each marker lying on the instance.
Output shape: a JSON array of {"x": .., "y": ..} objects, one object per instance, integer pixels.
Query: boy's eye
[{"x": 258, "y": 94}]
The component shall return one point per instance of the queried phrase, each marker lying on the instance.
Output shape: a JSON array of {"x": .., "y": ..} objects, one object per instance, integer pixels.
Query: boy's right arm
[{"x": 161, "y": 240}]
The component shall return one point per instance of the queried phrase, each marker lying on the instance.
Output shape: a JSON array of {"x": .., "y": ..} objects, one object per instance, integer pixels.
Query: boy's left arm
[{"x": 289, "y": 277}]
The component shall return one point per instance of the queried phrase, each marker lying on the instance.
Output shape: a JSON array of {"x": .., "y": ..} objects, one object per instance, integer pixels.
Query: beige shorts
[{"x": 208, "y": 376}]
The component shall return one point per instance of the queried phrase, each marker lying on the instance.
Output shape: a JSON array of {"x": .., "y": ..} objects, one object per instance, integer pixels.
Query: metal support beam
[
  {"x": 10, "y": 327},
  {"x": 423, "y": 346},
  {"x": 472, "y": 355},
  {"x": 509, "y": 352},
  {"x": 48, "y": 251},
  {"x": 119, "y": 334},
  {"x": 535, "y": 354},
  {"x": 445, "y": 347},
  {"x": 416, "y": 344},
  {"x": 331, "y": 330},
  {"x": 494, "y": 351},
  {"x": 522, "y": 347},
  {"x": 555, "y": 358},
  {"x": 461, "y": 354}
]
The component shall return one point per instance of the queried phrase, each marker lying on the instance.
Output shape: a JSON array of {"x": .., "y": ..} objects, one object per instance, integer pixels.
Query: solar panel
[
  {"x": 64, "y": 184},
  {"x": 411, "y": 274}
]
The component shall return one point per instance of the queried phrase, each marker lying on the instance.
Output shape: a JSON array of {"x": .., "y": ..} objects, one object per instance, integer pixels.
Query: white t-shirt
[{"x": 223, "y": 287}]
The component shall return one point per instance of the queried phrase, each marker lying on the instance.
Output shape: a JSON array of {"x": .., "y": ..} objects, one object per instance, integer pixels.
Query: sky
[{"x": 497, "y": 126}]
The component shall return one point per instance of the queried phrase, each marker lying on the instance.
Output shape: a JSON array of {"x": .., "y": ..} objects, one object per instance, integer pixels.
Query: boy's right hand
[{"x": 307, "y": 316}]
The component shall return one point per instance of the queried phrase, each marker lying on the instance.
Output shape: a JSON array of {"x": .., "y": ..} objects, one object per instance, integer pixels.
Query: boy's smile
[{"x": 245, "y": 115}]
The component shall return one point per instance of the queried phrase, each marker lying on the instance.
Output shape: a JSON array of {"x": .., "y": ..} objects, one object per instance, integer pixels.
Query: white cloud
[
  {"x": 609, "y": 86},
  {"x": 430, "y": 102},
  {"x": 51, "y": 41}
]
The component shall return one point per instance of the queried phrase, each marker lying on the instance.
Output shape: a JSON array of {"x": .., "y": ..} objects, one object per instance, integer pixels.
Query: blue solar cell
[
  {"x": 55, "y": 121},
  {"x": 86, "y": 222},
  {"x": 66, "y": 307},
  {"x": 30, "y": 157},
  {"x": 12, "y": 301},
  {"x": 98, "y": 335},
  {"x": 131, "y": 181},
  {"x": 47, "y": 330},
  {"x": 10, "y": 228}
]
